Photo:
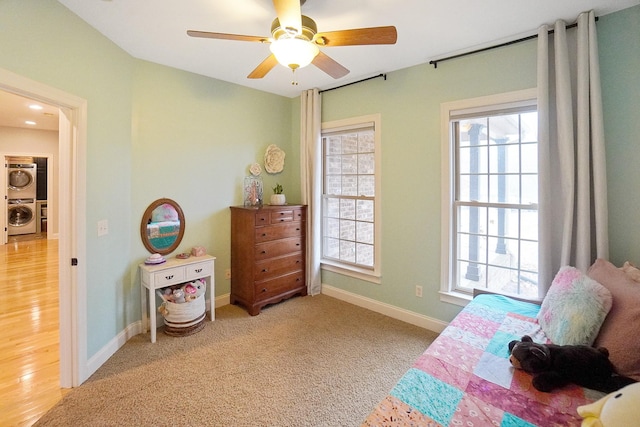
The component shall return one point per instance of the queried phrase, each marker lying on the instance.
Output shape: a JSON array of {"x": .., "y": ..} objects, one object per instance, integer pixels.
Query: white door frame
[{"x": 72, "y": 220}]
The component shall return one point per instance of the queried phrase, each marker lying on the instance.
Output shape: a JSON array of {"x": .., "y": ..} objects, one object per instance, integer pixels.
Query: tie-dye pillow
[{"x": 574, "y": 308}]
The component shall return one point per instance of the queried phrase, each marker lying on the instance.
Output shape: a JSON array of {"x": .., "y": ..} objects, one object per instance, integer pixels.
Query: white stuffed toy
[{"x": 618, "y": 409}]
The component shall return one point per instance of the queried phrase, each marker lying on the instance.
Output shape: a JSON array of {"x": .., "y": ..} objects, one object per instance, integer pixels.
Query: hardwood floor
[{"x": 29, "y": 347}]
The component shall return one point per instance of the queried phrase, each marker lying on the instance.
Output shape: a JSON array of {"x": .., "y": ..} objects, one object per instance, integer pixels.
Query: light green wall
[
  {"x": 619, "y": 49},
  {"x": 194, "y": 139},
  {"x": 153, "y": 132},
  {"x": 409, "y": 102},
  {"x": 43, "y": 41}
]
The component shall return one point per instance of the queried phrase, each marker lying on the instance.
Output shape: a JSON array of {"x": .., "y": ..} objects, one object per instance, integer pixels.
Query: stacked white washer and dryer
[{"x": 21, "y": 195}]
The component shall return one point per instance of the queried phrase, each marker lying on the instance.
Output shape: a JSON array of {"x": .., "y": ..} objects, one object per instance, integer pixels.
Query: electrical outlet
[
  {"x": 103, "y": 227},
  {"x": 419, "y": 291},
  {"x": 227, "y": 273}
]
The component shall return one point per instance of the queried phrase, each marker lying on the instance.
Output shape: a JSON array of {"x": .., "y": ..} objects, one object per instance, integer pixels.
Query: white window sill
[
  {"x": 456, "y": 298},
  {"x": 367, "y": 276}
]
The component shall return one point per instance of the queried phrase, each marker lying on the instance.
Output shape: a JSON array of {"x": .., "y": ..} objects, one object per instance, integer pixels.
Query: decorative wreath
[
  {"x": 274, "y": 159},
  {"x": 255, "y": 169}
]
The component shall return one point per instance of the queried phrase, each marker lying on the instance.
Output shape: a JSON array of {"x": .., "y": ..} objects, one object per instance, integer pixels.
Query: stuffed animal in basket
[
  {"x": 555, "y": 366},
  {"x": 620, "y": 408},
  {"x": 194, "y": 289}
]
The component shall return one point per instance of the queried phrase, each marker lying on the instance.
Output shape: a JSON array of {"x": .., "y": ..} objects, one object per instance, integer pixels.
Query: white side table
[{"x": 173, "y": 272}]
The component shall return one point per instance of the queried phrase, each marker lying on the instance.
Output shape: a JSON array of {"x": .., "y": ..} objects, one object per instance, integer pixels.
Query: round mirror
[{"x": 162, "y": 226}]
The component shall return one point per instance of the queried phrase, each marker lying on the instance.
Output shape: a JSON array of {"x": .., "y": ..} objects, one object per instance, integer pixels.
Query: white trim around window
[
  {"x": 447, "y": 111},
  {"x": 362, "y": 272}
]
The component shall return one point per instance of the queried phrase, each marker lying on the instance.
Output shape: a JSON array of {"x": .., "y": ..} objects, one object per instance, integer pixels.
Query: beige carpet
[{"x": 309, "y": 361}]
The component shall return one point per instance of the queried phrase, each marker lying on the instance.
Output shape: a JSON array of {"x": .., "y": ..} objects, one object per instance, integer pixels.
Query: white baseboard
[
  {"x": 221, "y": 301},
  {"x": 407, "y": 316},
  {"x": 130, "y": 331},
  {"x": 411, "y": 317},
  {"x": 109, "y": 350}
]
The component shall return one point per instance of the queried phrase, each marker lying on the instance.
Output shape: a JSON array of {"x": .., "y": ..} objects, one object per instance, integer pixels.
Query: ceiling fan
[{"x": 295, "y": 41}]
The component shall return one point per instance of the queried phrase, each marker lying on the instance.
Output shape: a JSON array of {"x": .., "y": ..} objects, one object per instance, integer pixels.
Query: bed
[{"x": 464, "y": 377}]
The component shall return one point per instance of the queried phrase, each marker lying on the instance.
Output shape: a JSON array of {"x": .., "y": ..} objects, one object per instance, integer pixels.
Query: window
[
  {"x": 492, "y": 195},
  {"x": 351, "y": 196}
]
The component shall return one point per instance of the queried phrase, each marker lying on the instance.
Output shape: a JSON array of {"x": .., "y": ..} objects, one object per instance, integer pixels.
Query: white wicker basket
[
  {"x": 185, "y": 314},
  {"x": 185, "y": 318}
]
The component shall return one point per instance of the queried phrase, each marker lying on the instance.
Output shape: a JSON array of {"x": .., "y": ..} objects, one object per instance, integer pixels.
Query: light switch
[{"x": 103, "y": 227}]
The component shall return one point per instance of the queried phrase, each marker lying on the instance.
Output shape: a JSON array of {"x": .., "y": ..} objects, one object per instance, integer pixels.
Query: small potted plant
[{"x": 278, "y": 197}]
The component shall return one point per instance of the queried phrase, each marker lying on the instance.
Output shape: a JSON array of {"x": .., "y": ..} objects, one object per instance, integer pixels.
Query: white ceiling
[
  {"x": 155, "y": 30},
  {"x": 16, "y": 110}
]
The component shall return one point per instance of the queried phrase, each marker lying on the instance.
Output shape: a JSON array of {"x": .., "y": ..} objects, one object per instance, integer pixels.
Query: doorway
[
  {"x": 29, "y": 212},
  {"x": 71, "y": 219}
]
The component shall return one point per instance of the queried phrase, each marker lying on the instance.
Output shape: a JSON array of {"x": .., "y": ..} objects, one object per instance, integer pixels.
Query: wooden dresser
[{"x": 267, "y": 254}]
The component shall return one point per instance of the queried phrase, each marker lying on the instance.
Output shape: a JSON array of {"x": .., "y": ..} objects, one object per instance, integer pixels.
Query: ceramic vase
[{"x": 278, "y": 199}]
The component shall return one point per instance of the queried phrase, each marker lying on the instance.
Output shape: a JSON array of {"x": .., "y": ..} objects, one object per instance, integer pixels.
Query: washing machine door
[
  {"x": 21, "y": 177},
  {"x": 19, "y": 214}
]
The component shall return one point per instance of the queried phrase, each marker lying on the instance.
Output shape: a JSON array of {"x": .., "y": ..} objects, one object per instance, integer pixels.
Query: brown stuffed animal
[{"x": 555, "y": 366}]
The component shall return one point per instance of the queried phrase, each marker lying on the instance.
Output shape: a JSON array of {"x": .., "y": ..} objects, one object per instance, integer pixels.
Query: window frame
[
  {"x": 480, "y": 105},
  {"x": 368, "y": 274}
]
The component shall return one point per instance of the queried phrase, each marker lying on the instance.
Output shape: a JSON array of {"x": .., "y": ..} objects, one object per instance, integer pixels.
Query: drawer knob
[
  {"x": 264, "y": 270},
  {"x": 281, "y": 219},
  {"x": 264, "y": 289},
  {"x": 298, "y": 279},
  {"x": 264, "y": 234},
  {"x": 169, "y": 277},
  {"x": 198, "y": 270},
  {"x": 264, "y": 252},
  {"x": 297, "y": 244},
  {"x": 297, "y": 261}
]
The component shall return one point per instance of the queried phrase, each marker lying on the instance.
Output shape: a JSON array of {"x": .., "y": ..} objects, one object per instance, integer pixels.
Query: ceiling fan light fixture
[{"x": 294, "y": 52}]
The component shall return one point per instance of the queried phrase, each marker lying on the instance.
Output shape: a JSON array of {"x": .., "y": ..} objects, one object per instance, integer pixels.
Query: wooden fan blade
[
  {"x": 358, "y": 36},
  {"x": 264, "y": 67},
  {"x": 225, "y": 36},
  {"x": 329, "y": 66},
  {"x": 289, "y": 14}
]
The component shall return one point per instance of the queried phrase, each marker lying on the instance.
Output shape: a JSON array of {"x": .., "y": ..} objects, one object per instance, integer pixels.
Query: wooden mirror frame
[{"x": 146, "y": 219}]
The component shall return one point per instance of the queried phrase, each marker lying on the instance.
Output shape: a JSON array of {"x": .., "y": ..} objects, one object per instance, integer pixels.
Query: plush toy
[
  {"x": 620, "y": 408},
  {"x": 194, "y": 289},
  {"x": 555, "y": 366},
  {"x": 178, "y": 296}
]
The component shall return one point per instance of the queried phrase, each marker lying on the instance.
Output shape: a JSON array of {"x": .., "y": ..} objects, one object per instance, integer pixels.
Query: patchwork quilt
[{"x": 464, "y": 378}]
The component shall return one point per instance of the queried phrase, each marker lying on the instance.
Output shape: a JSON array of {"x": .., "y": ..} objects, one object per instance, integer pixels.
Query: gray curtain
[
  {"x": 311, "y": 178},
  {"x": 573, "y": 213}
]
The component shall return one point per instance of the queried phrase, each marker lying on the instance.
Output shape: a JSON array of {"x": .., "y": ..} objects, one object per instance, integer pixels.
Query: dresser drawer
[
  {"x": 281, "y": 215},
  {"x": 280, "y": 285},
  {"x": 277, "y": 267},
  {"x": 168, "y": 277},
  {"x": 278, "y": 248},
  {"x": 298, "y": 215},
  {"x": 261, "y": 218},
  {"x": 279, "y": 231},
  {"x": 196, "y": 271}
]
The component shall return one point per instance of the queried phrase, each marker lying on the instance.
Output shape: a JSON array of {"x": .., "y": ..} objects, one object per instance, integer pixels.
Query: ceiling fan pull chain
[{"x": 294, "y": 82}]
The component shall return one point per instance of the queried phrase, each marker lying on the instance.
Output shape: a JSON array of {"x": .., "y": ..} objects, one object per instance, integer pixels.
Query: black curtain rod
[
  {"x": 509, "y": 43},
  {"x": 359, "y": 81}
]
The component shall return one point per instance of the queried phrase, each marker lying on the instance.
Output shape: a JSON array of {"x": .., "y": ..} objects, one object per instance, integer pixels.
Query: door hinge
[{"x": 74, "y": 261}]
